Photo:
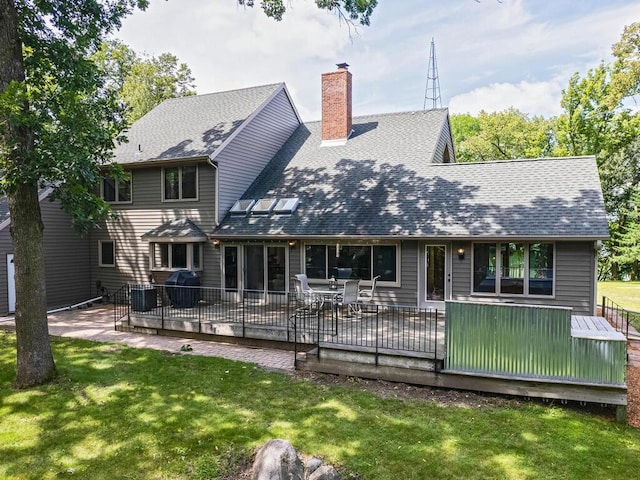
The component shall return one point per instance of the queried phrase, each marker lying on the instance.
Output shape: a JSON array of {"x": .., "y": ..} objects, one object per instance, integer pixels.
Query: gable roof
[
  {"x": 382, "y": 184},
  {"x": 181, "y": 229},
  {"x": 191, "y": 127}
]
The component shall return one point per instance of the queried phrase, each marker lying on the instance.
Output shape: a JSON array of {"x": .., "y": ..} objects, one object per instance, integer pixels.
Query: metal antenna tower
[{"x": 432, "y": 92}]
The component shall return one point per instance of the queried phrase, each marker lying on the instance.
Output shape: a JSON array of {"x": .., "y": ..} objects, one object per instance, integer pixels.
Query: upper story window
[
  {"x": 116, "y": 191},
  {"x": 514, "y": 268},
  {"x": 353, "y": 261},
  {"x": 180, "y": 183}
]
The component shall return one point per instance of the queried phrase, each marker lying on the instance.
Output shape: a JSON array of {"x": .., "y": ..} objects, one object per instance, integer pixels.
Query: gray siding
[
  {"x": 407, "y": 292},
  {"x": 147, "y": 211},
  {"x": 67, "y": 266},
  {"x": 444, "y": 142},
  {"x": 248, "y": 153},
  {"x": 574, "y": 279},
  {"x": 5, "y": 247}
]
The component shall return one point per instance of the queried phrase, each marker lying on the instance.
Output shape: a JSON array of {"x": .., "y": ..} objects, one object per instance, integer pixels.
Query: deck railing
[
  {"x": 369, "y": 327},
  {"x": 619, "y": 317},
  {"x": 197, "y": 306},
  {"x": 121, "y": 304},
  {"x": 374, "y": 328}
]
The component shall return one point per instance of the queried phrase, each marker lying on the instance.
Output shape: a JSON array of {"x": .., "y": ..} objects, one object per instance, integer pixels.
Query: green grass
[
  {"x": 118, "y": 412},
  {"x": 625, "y": 294}
]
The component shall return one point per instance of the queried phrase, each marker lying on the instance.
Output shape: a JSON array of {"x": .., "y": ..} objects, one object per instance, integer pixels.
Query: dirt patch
[{"x": 446, "y": 397}]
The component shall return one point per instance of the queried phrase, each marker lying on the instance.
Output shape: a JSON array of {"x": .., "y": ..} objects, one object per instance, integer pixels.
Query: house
[
  {"x": 67, "y": 266},
  {"x": 236, "y": 187},
  {"x": 189, "y": 160}
]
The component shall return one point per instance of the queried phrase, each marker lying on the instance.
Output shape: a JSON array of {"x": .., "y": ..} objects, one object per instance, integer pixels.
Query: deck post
[
  {"x": 243, "y": 309},
  {"x": 162, "y": 308},
  {"x": 621, "y": 413},
  {"x": 377, "y": 335},
  {"x": 435, "y": 347}
]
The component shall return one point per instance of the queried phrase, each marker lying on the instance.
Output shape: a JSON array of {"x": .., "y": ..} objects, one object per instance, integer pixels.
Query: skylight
[
  {"x": 242, "y": 207},
  {"x": 286, "y": 206},
  {"x": 263, "y": 206}
]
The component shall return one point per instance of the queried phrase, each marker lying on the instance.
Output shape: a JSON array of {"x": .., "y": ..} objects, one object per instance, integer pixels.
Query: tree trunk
[
  {"x": 35, "y": 360},
  {"x": 35, "y": 363}
]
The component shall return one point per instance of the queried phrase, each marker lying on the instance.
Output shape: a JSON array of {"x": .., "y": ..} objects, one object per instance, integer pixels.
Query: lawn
[
  {"x": 625, "y": 294},
  {"x": 119, "y": 412}
]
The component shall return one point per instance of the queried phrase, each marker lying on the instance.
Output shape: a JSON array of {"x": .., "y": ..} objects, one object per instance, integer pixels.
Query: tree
[
  {"x": 627, "y": 248},
  {"x": 59, "y": 117},
  {"x": 596, "y": 122},
  {"x": 143, "y": 81},
  {"x": 501, "y": 136},
  {"x": 348, "y": 10},
  {"x": 625, "y": 78},
  {"x": 58, "y": 121}
]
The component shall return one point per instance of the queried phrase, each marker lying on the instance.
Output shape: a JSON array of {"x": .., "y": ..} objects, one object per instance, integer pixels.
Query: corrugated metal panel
[
  {"x": 599, "y": 361},
  {"x": 527, "y": 341}
]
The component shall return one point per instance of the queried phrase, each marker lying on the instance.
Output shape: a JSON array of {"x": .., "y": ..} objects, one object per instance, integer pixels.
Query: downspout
[{"x": 217, "y": 209}]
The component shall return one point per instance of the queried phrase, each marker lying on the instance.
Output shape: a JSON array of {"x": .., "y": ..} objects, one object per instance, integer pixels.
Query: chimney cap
[{"x": 342, "y": 65}]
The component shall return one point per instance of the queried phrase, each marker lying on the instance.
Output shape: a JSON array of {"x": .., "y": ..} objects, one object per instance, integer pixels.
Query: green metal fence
[{"x": 528, "y": 342}]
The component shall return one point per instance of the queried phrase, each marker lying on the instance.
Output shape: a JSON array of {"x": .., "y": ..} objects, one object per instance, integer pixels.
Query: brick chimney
[{"x": 336, "y": 105}]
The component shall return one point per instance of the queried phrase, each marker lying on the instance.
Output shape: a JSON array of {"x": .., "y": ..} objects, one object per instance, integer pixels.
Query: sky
[{"x": 490, "y": 54}]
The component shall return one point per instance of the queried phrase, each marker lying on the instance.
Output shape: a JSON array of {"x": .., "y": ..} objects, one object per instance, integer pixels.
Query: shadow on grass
[{"x": 118, "y": 412}]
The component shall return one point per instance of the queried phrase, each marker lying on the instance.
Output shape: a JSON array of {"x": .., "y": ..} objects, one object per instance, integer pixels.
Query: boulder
[
  {"x": 313, "y": 464},
  {"x": 277, "y": 460},
  {"x": 325, "y": 472}
]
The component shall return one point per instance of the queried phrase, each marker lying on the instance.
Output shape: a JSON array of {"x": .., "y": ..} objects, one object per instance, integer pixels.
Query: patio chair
[
  {"x": 349, "y": 296},
  {"x": 307, "y": 301},
  {"x": 366, "y": 295},
  {"x": 304, "y": 280}
]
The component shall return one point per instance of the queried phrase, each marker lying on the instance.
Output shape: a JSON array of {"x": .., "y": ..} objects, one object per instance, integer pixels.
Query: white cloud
[
  {"x": 490, "y": 55},
  {"x": 537, "y": 98}
]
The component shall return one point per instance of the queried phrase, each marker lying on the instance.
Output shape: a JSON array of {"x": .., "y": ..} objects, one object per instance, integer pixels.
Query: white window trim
[
  {"x": 190, "y": 246},
  {"x": 363, "y": 283},
  {"x": 498, "y": 294},
  {"x": 173, "y": 200},
  {"x": 117, "y": 190},
  {"x": 100, "y": 262}
]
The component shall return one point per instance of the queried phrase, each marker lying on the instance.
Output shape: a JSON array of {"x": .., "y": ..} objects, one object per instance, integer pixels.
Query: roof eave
[{"x": 282, "y": 236}]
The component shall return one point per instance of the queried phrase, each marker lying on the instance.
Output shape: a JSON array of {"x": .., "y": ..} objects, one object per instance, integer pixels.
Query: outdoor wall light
[
  {"x": 292, "y": 243},
  {"x": 216, "y": 243},
  {"x": 461, "y": 253}
]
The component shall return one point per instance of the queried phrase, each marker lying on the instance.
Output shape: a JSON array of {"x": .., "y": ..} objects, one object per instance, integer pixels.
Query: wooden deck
[{"x": 597, "y": 328}]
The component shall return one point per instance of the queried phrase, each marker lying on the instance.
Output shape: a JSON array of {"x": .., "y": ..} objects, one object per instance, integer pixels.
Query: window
[
  {"x": 106, "y": 253},
  {"x": 513, "y": 268},
  {"x": 116, "y": 191},
  {"x": 352, "y": 261},
  {"x": 263, "y": 206},
  {"x": 180, "y": 183},
  {"x": 242, "y": 207},
  {"x": 286, "y": 206},
  {"x": 171, "y": 256}
]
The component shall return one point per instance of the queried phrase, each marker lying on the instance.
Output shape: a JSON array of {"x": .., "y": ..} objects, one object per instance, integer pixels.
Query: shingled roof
[
  {"x": 191, "y": 127},
  {"x": 382, "y": 183}
]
